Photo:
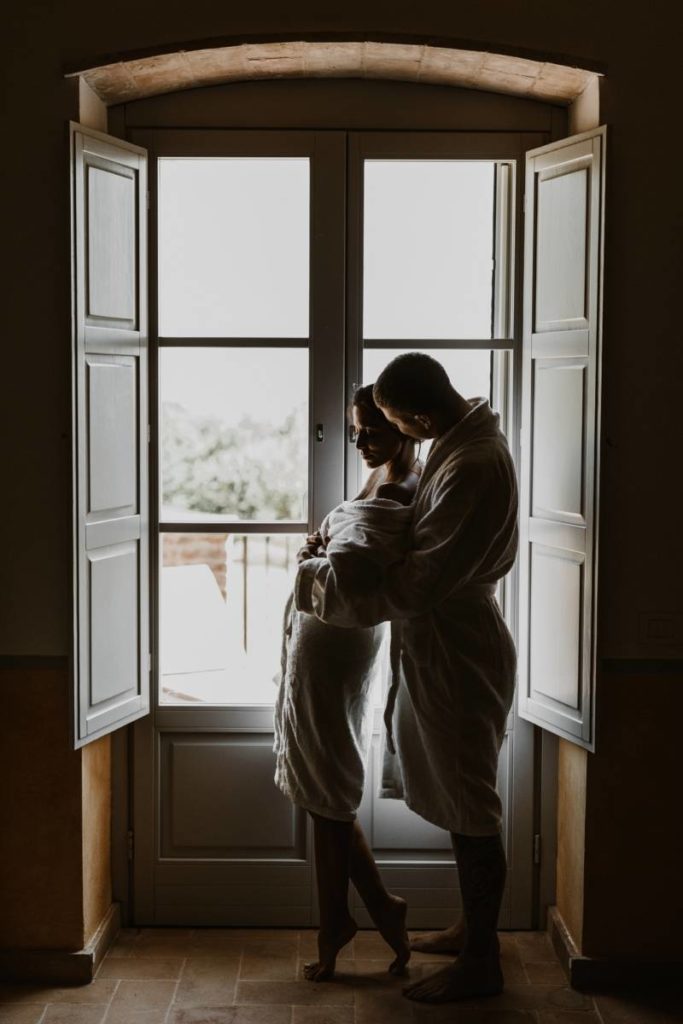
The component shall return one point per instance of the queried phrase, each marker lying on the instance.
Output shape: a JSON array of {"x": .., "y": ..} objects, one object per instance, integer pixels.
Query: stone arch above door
[{"x": 127, "y": 80}]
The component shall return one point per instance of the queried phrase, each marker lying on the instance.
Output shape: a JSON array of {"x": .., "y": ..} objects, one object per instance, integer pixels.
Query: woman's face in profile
[{"x": 376, "y": 441}]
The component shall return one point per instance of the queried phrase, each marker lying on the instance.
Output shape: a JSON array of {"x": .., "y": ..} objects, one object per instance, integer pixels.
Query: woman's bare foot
[
  {"x": 450, "y": 941},
  {"x": 329, "y": 947},
  {"x": 467, "y": 978},
  {"x": 390, "y": 921}
]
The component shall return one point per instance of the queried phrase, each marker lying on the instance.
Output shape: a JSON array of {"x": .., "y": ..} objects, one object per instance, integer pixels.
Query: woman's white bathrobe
[
  {"x": 323, "y": 722},
  {"x": 457, "y": 657}
]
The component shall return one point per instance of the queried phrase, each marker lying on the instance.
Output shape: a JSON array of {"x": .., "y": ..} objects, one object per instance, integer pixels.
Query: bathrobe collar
[{"x": 478, "y": 423}]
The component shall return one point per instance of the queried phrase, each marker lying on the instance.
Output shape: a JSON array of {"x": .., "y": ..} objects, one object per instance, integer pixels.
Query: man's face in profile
[{"x": 416, "y": 425}]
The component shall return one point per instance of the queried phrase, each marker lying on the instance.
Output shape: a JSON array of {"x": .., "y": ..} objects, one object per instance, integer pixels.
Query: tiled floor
[{"x": 240, "y": 976}]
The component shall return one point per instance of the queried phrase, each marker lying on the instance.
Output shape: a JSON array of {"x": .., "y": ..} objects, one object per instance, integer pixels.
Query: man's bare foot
[
  {"x": 450, "y": 941},
  {"x": 467, "y": 978},
  {"x": 329, "y": 947},
  {"x": 390, "y": 921}
]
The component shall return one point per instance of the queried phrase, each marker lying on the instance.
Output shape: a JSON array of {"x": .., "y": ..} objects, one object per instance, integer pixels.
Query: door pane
[
  {"x": 234, "y": 247},
  {"x": 234, "y": 434},
  {"x": 222, "y": 602},
  {"x": 428, "y": 249}
]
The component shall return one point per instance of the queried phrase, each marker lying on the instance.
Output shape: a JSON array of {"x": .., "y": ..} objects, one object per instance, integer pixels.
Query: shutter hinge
[
  {"x": 149, "y": 661},
  {"x": 148, "y": 200},
  {"x": 537, "y": 849},
  {"x": 130, "y": 843}
]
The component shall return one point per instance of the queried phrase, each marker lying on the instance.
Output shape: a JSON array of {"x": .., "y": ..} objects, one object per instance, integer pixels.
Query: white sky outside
[
  {"x": 428, "y": 248},
  {"x": 234, "y": 247},
  {"x": 265, "y": 384}
]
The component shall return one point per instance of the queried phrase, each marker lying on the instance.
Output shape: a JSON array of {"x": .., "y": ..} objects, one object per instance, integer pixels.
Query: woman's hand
[{"x": 313, "y": 548}]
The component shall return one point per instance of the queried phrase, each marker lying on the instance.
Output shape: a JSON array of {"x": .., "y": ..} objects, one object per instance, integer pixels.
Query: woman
[{"x": 323, "y": 723}]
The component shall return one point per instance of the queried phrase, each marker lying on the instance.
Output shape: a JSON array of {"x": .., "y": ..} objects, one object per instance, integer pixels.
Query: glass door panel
[
  {"x": 234, "y": 434},
  {"x": 427, "y": 249},
  {"x": 222, "y": 597},
  {"x": 234, "y": 247}
]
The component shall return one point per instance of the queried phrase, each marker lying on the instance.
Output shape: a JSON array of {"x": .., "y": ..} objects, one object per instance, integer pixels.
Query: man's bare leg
[
  {"x": 332, "y": 840},
  {"x": 387, "y": 912},
  {"x": 447, "y": 942},
  {"x": 476, "y": 972}
]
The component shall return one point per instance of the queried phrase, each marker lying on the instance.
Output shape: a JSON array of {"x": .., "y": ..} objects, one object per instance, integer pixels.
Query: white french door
[{"x": 286, "y": 268}]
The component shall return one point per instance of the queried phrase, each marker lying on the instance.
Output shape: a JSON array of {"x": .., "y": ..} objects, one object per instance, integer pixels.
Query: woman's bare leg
[
  {"x": 388, "y": 912},
  {"x": 332, "y": 841},
  {"x": 476, "y": 972}
]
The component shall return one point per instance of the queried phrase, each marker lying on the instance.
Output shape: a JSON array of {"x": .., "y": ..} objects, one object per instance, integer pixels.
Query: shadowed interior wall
[
  {"x": 96, "y": 801},
  {"x": 634, "y": 847},
  {"x": 41, "y": 853},
  {"x": 571, "y": 834},
  {"x": 640, "y": 553}
]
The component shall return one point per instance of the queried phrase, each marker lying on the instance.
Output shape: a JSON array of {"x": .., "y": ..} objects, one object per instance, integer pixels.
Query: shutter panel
[
  {"x": 110, "y": 458},
  {"x": 560, "y": 434}
]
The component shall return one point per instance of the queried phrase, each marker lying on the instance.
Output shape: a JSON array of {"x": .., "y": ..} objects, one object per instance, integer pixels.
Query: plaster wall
[
  {"x": 41, "y": 853},
  {"x": 571, "y": 836}
]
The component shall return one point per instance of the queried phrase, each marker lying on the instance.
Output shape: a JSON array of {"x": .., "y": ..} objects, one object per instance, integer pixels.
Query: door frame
[{"x": 506, "y": 147}]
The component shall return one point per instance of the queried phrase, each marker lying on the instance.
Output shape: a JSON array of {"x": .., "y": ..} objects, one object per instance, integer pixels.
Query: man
[{"x": 457, "y": 658}]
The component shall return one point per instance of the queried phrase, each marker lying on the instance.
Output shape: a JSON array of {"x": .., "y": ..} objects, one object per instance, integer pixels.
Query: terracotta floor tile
[
  {"x": 374, "y": 974},
  {"x": 254, "y": 942},
  {"x": 96, "y": 992},
  {"x": 371, "y": 945},
  {"x": 323, "y": 1015},
  {"x": 15, "y": 993},
  {"x": 231, "y": 1015},
  {"x": 208, "y": 981},
  {"x": 10, "y": 1014},
  {"x": 166, "y": 949},
  {"x": 528, "y": 998},
  {"x": 568, "y": 1017},
  {"x": 124, "y": 1015},
  {"x": 383, "y": 1007},
  {"x": 143, "y": 967},
  {"x": 69, "y": 1013},
  {"x": 295, "y": 993},
  {"x": 654, "y": 1006},
  {"x": 453, "y": 1013},
  {"x": 268, "y": 968},
  {"x": 533, "y": 946},
  {"x": 143, "y": 995},
  {"x": 545, "y": 973},
  {"x": 308, "y": 946}
]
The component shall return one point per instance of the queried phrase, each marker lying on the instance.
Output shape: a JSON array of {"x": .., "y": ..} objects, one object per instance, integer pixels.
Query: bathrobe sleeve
[{"x": 455, "y": 542}]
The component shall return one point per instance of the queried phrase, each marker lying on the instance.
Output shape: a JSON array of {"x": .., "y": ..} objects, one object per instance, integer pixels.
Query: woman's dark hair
[
  {"x": 413, "y": 383},
  {"x": 405, "y": 459}
]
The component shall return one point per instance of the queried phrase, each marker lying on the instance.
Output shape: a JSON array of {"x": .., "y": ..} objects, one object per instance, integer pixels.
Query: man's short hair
[{"x": 413, "y": 383}]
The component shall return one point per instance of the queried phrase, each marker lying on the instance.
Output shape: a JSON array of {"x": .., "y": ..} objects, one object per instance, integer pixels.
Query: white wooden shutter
[
  {"x": 111, "y": 549},
  {"x": 560, "y": 434}
]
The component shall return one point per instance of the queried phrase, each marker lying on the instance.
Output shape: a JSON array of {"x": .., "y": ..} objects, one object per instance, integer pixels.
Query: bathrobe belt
[{"x": 471, "y": 592}]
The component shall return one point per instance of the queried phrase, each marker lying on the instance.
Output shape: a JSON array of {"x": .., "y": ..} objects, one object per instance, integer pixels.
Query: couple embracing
[{"x": 421, "y": 548}]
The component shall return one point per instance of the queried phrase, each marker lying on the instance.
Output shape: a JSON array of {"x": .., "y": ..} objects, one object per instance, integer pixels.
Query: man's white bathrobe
[
  {"x": 457, "y": 657},
  {"x": 323, "y": 718}
]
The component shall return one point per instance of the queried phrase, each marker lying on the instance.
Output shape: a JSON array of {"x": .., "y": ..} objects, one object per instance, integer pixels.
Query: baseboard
[
  {"x": 58, "y": 966},
  {"x": 591, "y": 973}
]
